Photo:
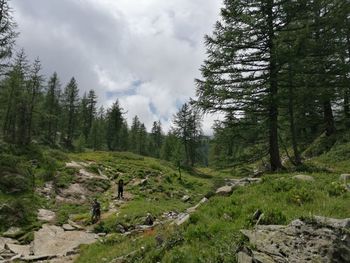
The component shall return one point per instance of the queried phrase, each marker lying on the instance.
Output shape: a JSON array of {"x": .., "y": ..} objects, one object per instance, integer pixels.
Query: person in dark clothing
[
  {"x": 96, "y": 211},
  {"x": 120, "y": 188}
]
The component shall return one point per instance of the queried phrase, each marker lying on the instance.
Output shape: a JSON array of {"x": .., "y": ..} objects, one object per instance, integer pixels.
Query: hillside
[{"x": 190, "y": 222}]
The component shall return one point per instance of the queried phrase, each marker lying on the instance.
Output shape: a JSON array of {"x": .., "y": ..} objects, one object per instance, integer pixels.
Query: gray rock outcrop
[{"x": 320, "y": 240}]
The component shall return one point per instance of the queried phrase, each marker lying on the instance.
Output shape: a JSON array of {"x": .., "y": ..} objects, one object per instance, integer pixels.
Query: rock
[
  {"x": 7, "y": 254},
  {"x": 121, "y": 229},
  {"x": 182, "y": 218},
  {"x": 46, "y": 215},
  {"x": 54, "y": 241},
  {"x": 68, "y": 227},
  {"x": 36, "y": 258},
  {"x": 242, "y": 257},
  {"x": 4, "y": 241},
  {"x": 75, "y": 194},
  {"x": 74, "y": 165},
  {"x": 185, "y": 198},
  {"x": 299, "y": 242},
  {"x": 332, "y": 222},
  {"x": 19, "y": 249},
  {"x": 225, "y": 190},
  {"x": 304, "y": 178},
  {"x": 13, "y": 232},
  {"x": 88, "y": 175},
  {"x": 194, "y": 208},
  {"x": 149, "y": 220},
  {"x": 144, "y": 182},
  {"x": 170, "y": 215},
  {"x": 75, "y": 225},
  {"x": 47, "y": 190},
  {"x": 344, "y": 178}
]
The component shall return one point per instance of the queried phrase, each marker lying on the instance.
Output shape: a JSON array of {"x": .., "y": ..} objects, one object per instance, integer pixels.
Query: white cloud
[{"x": 144, "y": 52}]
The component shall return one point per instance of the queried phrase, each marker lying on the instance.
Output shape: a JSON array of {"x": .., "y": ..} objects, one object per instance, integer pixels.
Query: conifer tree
[{"x": 70, "y": 104}]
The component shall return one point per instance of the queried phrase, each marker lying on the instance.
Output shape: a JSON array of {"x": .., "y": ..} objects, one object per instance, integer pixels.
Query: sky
[{"x": 145, "y": 53}]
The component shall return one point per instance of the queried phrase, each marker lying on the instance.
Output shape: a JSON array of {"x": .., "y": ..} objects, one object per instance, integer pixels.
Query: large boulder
[
  {"x": 320, "y": 240},
  {"x": 304, "y": 178},
  {"x": 54, "y": 241},
  {"x": 225, "y": 190},
  {"x": 75, "y": 194}
]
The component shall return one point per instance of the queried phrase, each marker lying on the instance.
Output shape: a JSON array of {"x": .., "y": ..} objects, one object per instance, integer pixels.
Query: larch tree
[{"x": 71, "y": 104}]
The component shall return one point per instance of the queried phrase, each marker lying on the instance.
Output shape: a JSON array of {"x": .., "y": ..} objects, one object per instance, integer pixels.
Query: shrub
[
  {"x": 273, "y": 217},
  {"x": 300, "y": 196},
  {"x": 282, "y": 185},
  {"x": 336, "y": 189}
]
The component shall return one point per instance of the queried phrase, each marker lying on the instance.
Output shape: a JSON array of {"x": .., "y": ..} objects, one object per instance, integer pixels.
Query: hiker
[
  {"x": 120, "y": 188},
  {"x": 96, "y": 211}
]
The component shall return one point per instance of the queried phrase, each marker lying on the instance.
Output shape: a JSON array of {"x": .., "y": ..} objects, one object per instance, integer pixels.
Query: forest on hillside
[{"x": 278, "y": 70}]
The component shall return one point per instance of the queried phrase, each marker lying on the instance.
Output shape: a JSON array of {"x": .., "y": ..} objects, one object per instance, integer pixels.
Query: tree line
[
  {"x": 279, "y": 71},
  {"x": 33, "y": 109}
]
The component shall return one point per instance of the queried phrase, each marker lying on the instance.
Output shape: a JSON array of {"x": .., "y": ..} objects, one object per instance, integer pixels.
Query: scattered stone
[
  {"x": 227, "y": 217},
  {"x": 299, "y": 242},
  {"x": 47, "y": 190},
  {"x": 144, "y": 182},
  {"x": 170, "y": 215},
  {"x": 68, "y": 227},
  {"x": 182, "y": 218},
  {"x": 75, "y": 225},
  {"x": 344, "y": 178},
  {"x": 19, "y": 249},
  {"x": 46, "y": 215},
  {"x": 194, "y": 208},
  {"x": 13, "y": 232},
  {"x": 121, "y": 229},
  {"x": 185, "y": 198},
  {"x": 305, "y": 178},
  {"x": 149, "y": 220},
  {"x": 225, "y": 190}
]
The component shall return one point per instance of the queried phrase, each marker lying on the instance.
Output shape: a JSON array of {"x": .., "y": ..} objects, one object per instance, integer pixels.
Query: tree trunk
[
  {"x": 275, "y": 160},
  {"x": 328, "y": 118},
  {"x": 297, "y": 158},
  {"x": 346, "y": 107}
]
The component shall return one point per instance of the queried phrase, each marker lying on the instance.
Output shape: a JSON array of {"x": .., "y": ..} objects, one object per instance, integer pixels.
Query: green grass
[{"x": 212, "y": 233}]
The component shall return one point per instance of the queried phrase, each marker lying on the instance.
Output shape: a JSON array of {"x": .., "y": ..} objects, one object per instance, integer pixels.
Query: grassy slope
[{"x": 212, "y": 234}]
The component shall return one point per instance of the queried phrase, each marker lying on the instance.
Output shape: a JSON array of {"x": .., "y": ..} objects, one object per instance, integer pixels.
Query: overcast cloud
[{"x": 146, "y": 53}]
